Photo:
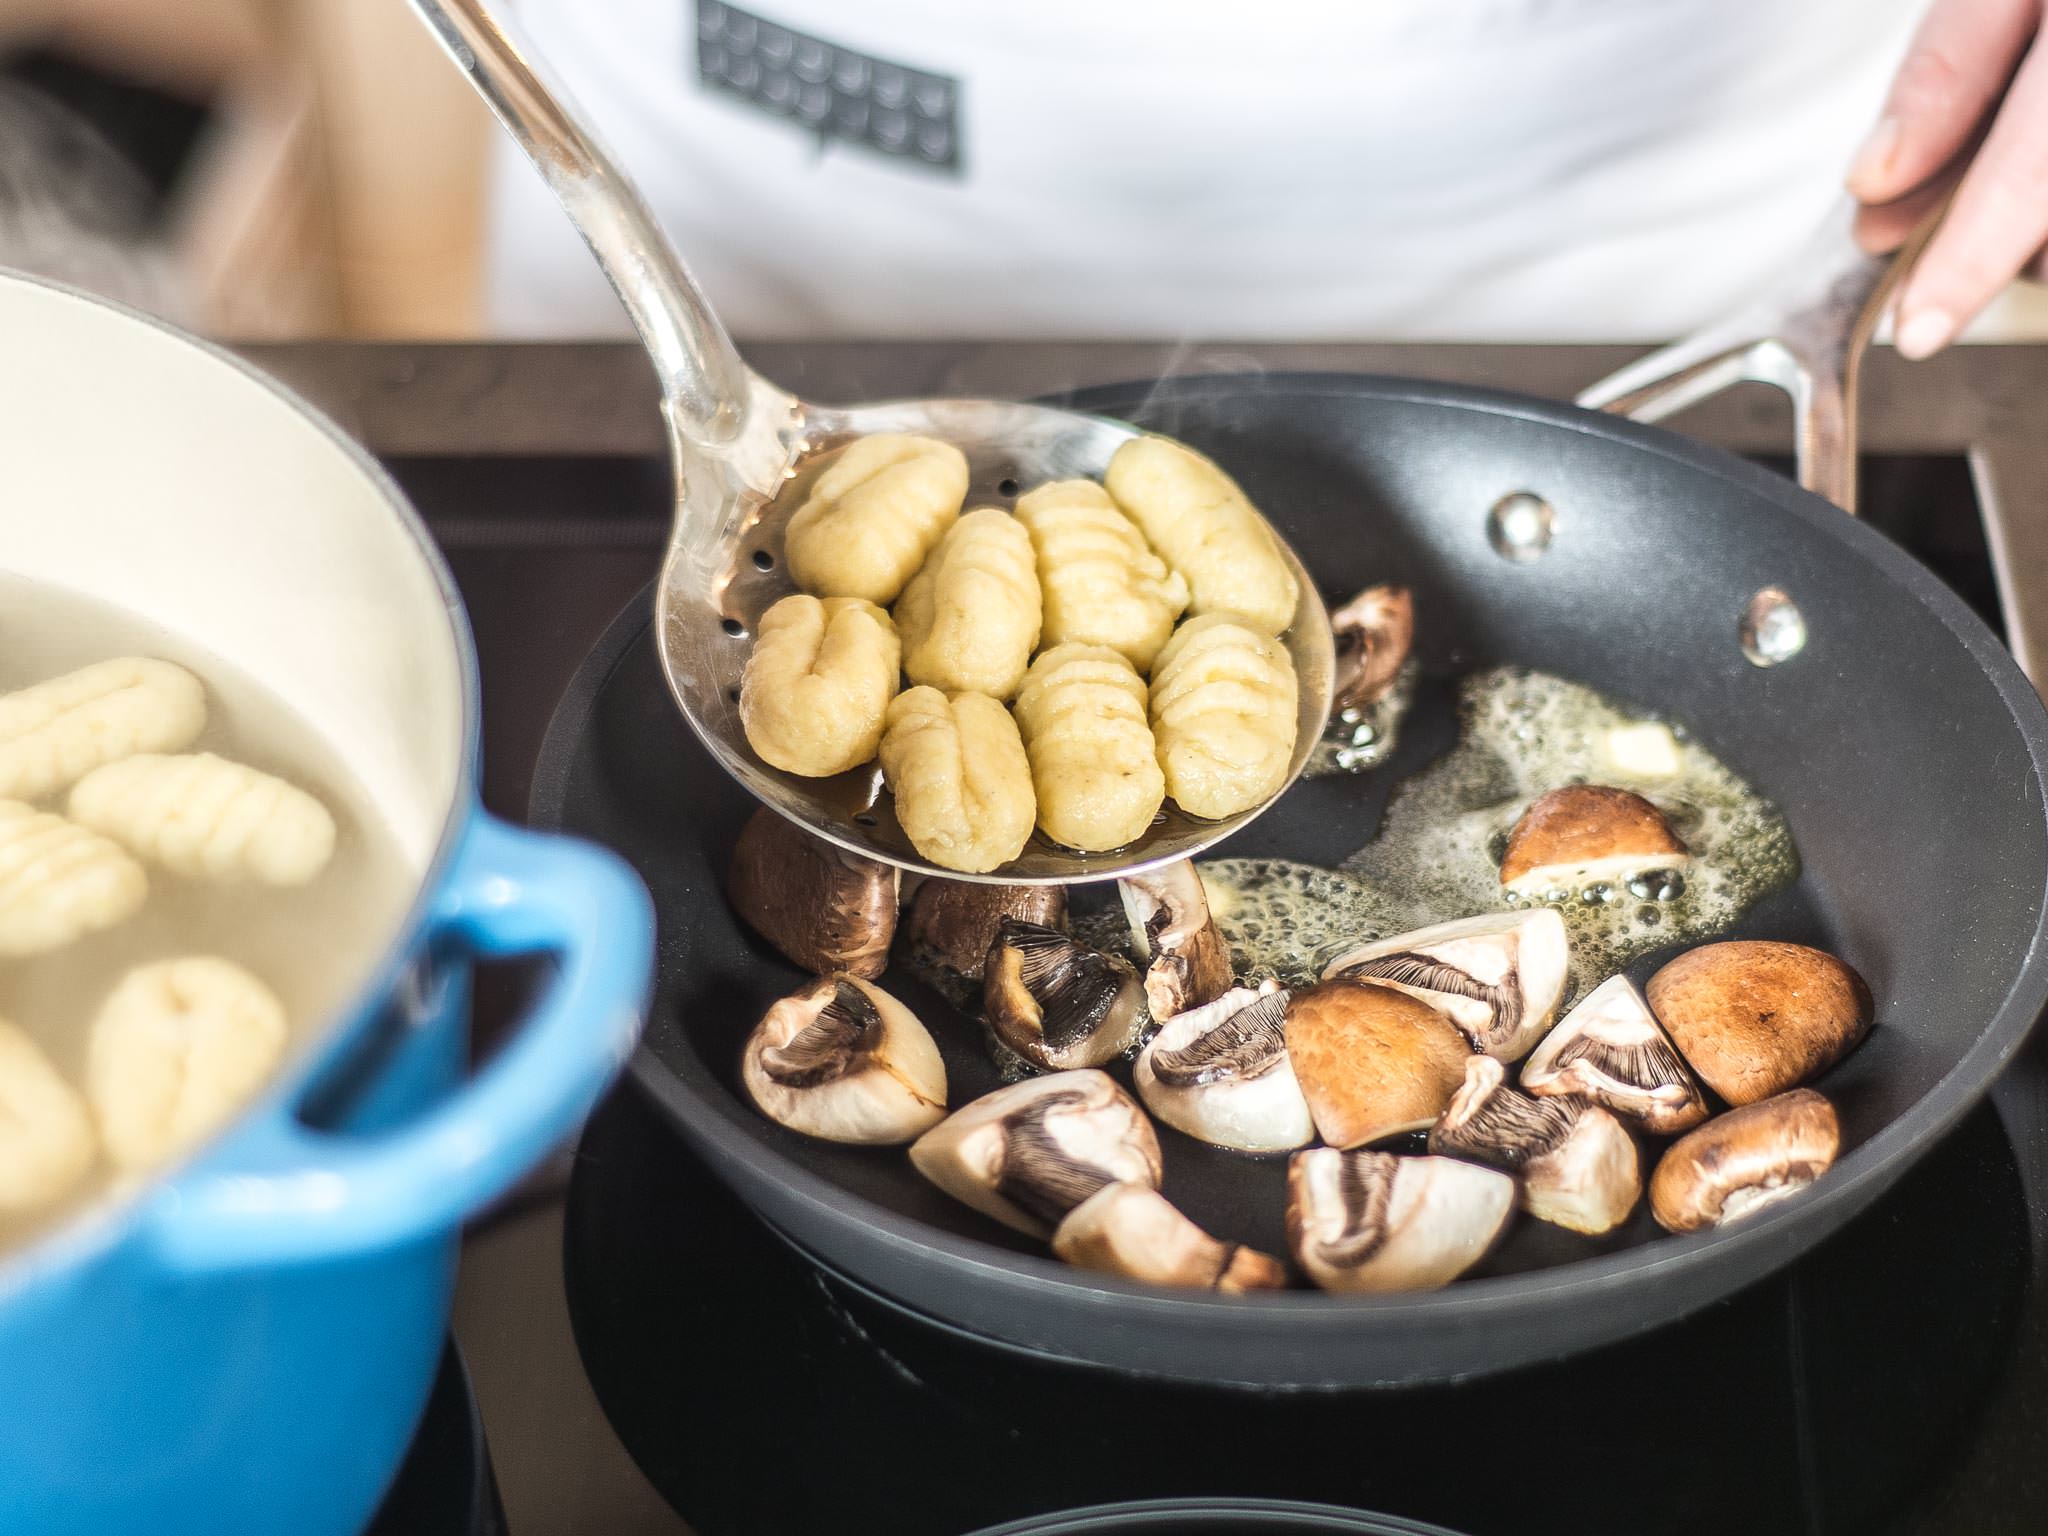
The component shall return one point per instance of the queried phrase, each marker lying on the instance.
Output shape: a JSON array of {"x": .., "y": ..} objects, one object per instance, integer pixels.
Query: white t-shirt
[{"x": 1311, "y": 169}]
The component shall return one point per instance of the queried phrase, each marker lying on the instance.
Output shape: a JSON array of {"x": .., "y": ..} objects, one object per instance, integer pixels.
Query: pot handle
[{"x": 281, "y": 1191}]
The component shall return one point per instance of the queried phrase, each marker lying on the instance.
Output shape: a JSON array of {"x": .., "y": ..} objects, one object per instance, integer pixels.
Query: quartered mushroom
[
  {"x": 952, "y": 923},
  {"x": 1374, "y": 632},
  {"x": 1498, "y": 976},
  {"x": 1585, "y": 836},
  {"x": 1745, "y": 1160},
  {"x": 1371, "y": 1221},
  {"x": 1610, "y": 1049},
  {"x": 1372, "y": 1062},
  {"x": 1058, "y": 1003},
  {"x": 842, "y": 1060},
  {"x": 1755, "y": 1017},
  {"x": 1221, "y": 1073},
  {"x": 1188, "y": 963},
  {"x": 1134, "y": 1231},
  {"x": 827, "y": 910},
  {"x": 1577, "y": 1163},
  {"x": 1029, "y": 1153}
]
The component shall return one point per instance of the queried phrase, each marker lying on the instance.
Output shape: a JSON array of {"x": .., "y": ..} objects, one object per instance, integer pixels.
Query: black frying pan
[{"x": 1903, "y": 744}]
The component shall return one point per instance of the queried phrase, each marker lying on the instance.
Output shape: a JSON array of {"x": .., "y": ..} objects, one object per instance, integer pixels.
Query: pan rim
[{"x": 751, "y": 1165}]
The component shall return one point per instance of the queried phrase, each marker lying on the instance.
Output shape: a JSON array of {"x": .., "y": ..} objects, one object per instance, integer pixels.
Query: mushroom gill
[
  {"x": 1371, "y": 1221},
  {"x": 1584, "y": 835},
  {"x": 952, "y": 923},
  {"x": 1739, "y": 1163},
  {"x": 1577, "y": 1163},
  {"x": 827, "y": 910},
  {"x": 1188, "y": 962},
  {"x": 1029, "y": 1153},
  {"x": 1374, "y": 632},
  {"x": 1610, "y": 1049},
  {"x": 1134, "y": 1231},
  {"x": 1221, "y": 1074},
  {"x": 1498, "y": 976},
  {"x": 842, "y": 1060},
  {"x": 1056, "y": 1002}
]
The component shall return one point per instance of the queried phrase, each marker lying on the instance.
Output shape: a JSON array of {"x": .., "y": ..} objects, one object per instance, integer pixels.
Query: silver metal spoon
[{"x": 738, "y": 443}]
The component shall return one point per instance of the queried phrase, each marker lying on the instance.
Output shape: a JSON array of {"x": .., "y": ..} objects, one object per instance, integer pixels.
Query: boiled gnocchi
[
  {"x": 1102, "y": 584},
  {"x": 1197, "y": 517},
  {"x": 817, "y": 687},
  {"x": 1223, "y": 711},
  {"x": 960, "y": 777},
  {"x": 969, "y": 619},
  {"x": 874, "y": 514},
  {"x": 46, "y": 1138},
  {"x": 59, "y": 882},
  {"x": 176, "y": 1050},
  {"x": 1093, "y": 764},
  {"x": 204, "y": 817},
  {"x": 56, "y": 732}
]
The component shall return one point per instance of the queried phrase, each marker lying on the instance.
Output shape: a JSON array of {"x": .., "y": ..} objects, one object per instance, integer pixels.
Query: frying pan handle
[{"x": 705, "y": 387}]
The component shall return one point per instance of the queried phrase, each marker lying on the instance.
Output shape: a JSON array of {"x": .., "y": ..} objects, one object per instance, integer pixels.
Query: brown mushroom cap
[
  {"x": 1372, "y": 1062},
  {"x": 951, "y": 923},
  {"x": 1375, "y": 632},
  {"x": 827, "y": 910},
  {"x": 1744, "y": 1160},
  {"x": 1133, "y": 1230},
  {"x": 1755, "y": 1017},
  {"x": 1587, "y": 829}
]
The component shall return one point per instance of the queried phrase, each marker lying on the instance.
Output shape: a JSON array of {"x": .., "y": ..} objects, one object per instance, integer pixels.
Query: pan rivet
[
  {"x": 1773, "y": 629},
  {"x": 1521, "y": 526}
]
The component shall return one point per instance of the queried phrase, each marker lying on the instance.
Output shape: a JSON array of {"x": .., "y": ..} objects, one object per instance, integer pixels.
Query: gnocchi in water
[
  {"x": 1224, "y": 714},
  {"x": 207, "y": 818},
  {"x": 873, "y": 515},
  {"x": 176, "y": 1050},
  {"x": 56, "y": 732},
  {"x": 960, "y": 777},
  {"x": 1102, "y": 583},
  {"x": 1093, "y": 764},
  {"x": 1195, "y": 515},
  {"x": 969, "y": 619},
  {"x": 59, "y": 882},
  {"x": 46, "y": 1139},
  {"x": 817, "y": 687}
]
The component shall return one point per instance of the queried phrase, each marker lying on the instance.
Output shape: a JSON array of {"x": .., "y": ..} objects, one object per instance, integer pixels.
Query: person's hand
[{"x": 1962, "y": 58}]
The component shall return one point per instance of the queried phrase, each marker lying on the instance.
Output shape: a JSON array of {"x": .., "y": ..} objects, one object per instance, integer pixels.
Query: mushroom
[
  {"x": 1029, "y": 1153},
  {"x": 1588, "y": 835},
  {"x": 827, "y": 910},
  {"x": 1220, "y": 1073},
  {"x": 1577, "y": 1163},
  {"x": 1370, "y": 1221},
  {"x": 952, "y": 923},
  {"x": 1744, "y": 1160},
  {"x": 1058, "y": 1003},
  {"x": 1133, "y": 1230},
  {"x": 1498, "y": 976},
  {"x": 1169, "y": 913},
  {"x": 1374, "y": 631},
  {"x": 1610, "y": 1049},
  {"x": 1372, "y": 1062},
  {"x": 842, "y": 1060},
  {"x": 1755, "y": 1017}
]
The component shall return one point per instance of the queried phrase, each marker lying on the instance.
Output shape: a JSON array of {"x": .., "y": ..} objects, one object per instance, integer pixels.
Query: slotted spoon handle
[{"x": 705, "y": 387}]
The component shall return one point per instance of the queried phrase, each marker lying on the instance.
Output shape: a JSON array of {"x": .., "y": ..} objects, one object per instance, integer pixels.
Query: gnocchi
[
  {"x": 1197, "y": 517},
  {"x": 1093, "y": 763},
  {"x": 177, "y": 1048},
  {"x": 1224, "y": 713},
  {"x": 1102, "y": 584},
  {"x": 46, "y": 1138},
  {"x": 960, "y": 777},
  {"x": 969, "y": 618},
  {"x": 874, "y": 514},
  {"x": 817, "y": 687},
  {"x": 56, "y": 732},
  {"x": 207, "y": 818},
  {"x": 59, "y": 882}
]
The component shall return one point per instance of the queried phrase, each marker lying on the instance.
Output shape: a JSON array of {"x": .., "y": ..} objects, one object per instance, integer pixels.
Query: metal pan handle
[{"x": 705, "y": 386}]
